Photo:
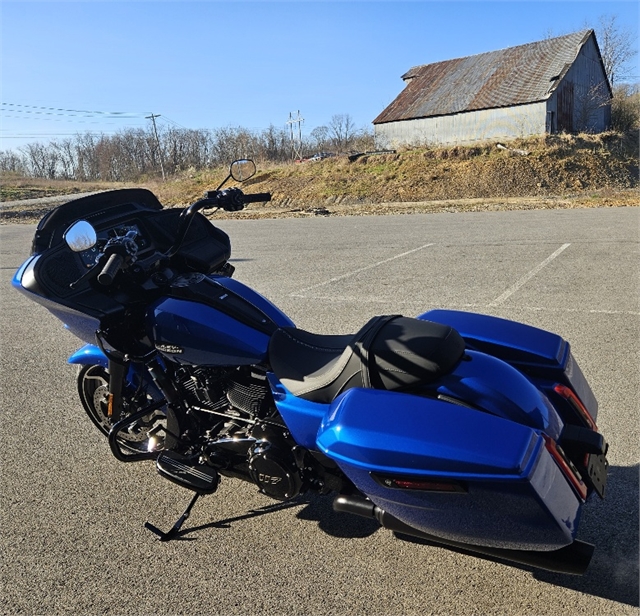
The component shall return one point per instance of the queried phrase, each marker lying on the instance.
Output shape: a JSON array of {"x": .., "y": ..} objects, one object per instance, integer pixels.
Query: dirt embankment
[{"x": 547, "y": 172}]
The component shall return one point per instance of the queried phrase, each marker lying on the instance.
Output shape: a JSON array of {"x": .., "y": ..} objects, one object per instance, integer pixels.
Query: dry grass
[
  {"x": 556, "y": 166},
  {"x": 15, "y": 187},
  {"x": 558, "y": 171}
]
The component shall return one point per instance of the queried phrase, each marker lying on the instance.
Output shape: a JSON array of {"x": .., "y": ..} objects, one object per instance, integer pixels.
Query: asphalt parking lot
[{"x": 72, "y": 516}]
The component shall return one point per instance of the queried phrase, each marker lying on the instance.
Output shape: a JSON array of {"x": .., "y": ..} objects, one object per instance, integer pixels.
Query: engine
[
  {"x": 274, "y": 470},
  {"x": 240, "y": 390},
  {"x": 231, "y": 404}
]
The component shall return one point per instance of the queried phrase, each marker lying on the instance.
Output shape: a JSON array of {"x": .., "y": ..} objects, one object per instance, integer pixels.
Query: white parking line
[
  {"x": 511, "y": 290},
  {"x": 362, "y": 269},
  {"x": 423, "y": 307}
]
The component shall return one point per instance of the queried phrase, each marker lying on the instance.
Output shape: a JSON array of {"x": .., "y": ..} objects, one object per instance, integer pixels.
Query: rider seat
[{"x": 389, "y": 352}]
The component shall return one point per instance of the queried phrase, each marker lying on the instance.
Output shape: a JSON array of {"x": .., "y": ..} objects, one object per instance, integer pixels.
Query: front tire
[{"x": 146, "y": 434}]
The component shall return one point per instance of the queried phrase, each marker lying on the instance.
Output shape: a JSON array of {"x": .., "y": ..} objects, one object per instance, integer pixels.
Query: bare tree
[
  {"x": 133, "y": 153},
  {"x": 319, "y": 138},
  {"x": 617, "y": 47},
  {"x": 12, "y": 162},
  {"x": 625, "y": 107},
  {"x": 342, "y": 130},
  {"x": 590, "y": 100},
  {"x": 66, "y": 157},
  {"x": 274, "y": 144},
  {"x": 42, "y": 160}
]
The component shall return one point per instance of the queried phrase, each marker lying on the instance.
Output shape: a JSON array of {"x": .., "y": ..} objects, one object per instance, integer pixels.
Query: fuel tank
[{"x": 213, "y": 321}]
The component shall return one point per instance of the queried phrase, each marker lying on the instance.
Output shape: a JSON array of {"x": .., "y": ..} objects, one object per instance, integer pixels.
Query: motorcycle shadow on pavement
[
  {"x": 227, "y": 522},
  {"x": 612, "y": 526},
  {"x": 316, "y": 508}
]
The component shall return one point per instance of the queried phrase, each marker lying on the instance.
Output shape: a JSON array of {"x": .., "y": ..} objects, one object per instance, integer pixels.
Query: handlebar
[
  {"x": 232, "y": 199},
  {"x": 257, "y": 197},
  {"x": 109, "y": 271}
]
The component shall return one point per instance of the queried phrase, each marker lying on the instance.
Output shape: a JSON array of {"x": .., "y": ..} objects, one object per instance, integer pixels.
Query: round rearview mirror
[
  {"x": 242, "y": 170},
  {"x": 80, "y": 236}
]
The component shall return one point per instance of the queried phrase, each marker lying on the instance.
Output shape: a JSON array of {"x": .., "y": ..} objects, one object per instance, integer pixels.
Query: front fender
[{"x": 89, "y": 355}]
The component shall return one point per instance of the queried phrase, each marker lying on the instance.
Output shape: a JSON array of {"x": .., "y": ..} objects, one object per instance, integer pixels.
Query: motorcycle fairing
[
  {"x": 512, "y": 494},
  {"x": 78, "y": 323},
  {"x": 93, "y": 207},
  {"x": 89, "y": 355}
]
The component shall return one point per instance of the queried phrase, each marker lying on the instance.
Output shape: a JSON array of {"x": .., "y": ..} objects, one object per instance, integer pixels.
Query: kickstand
[{"x": 177, "y": 526}]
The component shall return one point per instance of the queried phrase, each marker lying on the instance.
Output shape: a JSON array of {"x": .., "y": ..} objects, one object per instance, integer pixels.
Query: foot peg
[{"x": 185, "y": 472}]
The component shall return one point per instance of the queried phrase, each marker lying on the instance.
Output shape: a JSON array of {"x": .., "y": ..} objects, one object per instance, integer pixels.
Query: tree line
[{"x": 132, "y": 154}]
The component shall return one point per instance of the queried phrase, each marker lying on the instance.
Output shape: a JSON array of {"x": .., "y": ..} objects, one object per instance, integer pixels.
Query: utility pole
[
  {"x": 153, "y": 117},
  {"x": 295, "y": 150}
]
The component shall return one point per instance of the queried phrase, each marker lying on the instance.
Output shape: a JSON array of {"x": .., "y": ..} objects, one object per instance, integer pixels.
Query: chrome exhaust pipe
[{"x": 572, "y": 559}]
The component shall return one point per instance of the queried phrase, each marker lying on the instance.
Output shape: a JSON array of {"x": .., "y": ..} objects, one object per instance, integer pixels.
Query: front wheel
[{"x": 147, "y": 434}]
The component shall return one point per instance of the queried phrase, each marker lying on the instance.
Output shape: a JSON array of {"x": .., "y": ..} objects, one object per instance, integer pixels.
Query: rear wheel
[{"x": 147, "y": 434}]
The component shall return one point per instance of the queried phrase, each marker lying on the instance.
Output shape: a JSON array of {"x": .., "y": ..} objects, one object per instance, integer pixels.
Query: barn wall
[
  {"x": 465, "y": 128},
  {"x": 581, "y": 101}
]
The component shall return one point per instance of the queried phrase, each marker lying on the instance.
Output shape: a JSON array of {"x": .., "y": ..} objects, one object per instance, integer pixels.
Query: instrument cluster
[{"x": 90, "y": 256}]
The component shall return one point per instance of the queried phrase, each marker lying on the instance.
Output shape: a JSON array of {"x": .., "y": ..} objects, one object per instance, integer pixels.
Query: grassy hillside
[
  {"x": 549, "y": 171},
  {"x": 599, "y": 166}
]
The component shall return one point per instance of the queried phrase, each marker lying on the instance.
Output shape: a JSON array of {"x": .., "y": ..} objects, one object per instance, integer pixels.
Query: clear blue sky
[{"x": 215, "y": 64}]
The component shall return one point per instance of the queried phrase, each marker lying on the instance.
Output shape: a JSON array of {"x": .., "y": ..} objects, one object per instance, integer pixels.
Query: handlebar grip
[
  {"x": 109, "y": 271},
  {"x": 257, "y": 197}
]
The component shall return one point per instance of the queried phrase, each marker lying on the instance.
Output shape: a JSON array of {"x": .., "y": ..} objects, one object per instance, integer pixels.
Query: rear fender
[
  {"x": 543, "y": 357},
  {"x": 494, "y": 386}
]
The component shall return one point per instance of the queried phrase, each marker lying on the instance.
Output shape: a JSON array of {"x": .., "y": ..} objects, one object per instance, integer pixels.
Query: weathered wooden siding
[
  {"x": 582, "y": 100},
  {"x": 465, "y": 128},
  {"x": 550, "y": 86}
]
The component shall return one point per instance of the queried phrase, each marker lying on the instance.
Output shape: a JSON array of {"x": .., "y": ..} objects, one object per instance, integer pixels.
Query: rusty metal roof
[{"x": 512, "y": 76}]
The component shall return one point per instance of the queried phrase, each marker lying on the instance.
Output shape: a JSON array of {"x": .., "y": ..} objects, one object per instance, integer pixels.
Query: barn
[{"x": 550, "y": 86}]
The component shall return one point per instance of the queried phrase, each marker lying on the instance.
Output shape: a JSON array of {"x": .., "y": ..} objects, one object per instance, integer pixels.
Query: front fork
[
  {"x": 117, "y": 374},
  {"x": 171, "y": 465},
  {"x": 121, "y": 374}
]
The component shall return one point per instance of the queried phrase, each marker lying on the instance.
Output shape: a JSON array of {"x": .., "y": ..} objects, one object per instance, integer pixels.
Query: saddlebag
[{"x": 451, "y": 471}]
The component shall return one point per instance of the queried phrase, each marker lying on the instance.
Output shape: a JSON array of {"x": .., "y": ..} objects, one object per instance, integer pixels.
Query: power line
[
  {"x": 50, "y": 110},
  {"x": 173, "y": 122},
  {"x": 84, "y": 120},
  {"x": 30, "y": 135}
]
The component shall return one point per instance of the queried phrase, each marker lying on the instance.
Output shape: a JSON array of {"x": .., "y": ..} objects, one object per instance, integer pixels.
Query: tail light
[
  {"x": 569, "y": 395},
  {"x": 566, "y": 466}
]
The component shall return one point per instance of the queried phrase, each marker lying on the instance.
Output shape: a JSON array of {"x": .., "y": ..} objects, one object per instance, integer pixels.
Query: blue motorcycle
[{"x": 466, "y": 430}]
